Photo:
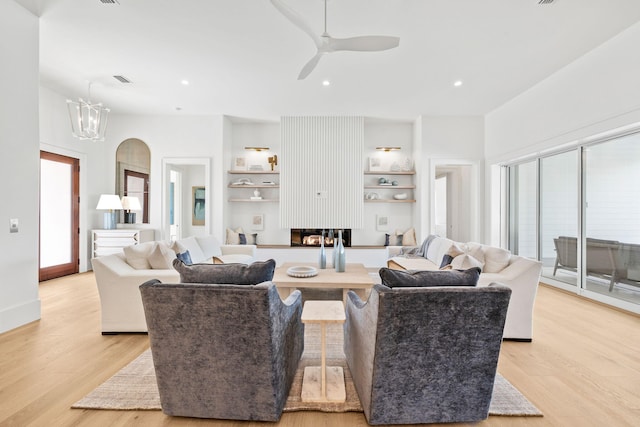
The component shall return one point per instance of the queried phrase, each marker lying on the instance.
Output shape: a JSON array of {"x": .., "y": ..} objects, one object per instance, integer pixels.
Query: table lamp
[
  {"x": 109, "y": 203},
  {"x": 130, "y": 203}
]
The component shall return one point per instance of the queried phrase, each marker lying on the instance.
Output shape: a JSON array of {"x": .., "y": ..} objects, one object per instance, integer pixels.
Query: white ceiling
[{"x": 242, "y": 57}]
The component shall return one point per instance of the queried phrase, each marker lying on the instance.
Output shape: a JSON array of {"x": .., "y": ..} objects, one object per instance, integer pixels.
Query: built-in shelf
[
  {"x": 389, "y": 172},
  {"x": 254, "y": 172},
  {"x": 391, "y": 187},
  {"x": 253, "y": 201},
  {"x": 389, "y": 201},
  {"x": 253, "y": 186}
]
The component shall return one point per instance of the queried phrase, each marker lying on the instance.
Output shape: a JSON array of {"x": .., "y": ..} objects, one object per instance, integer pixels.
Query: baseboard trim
[{"x": 19, "y": 315}]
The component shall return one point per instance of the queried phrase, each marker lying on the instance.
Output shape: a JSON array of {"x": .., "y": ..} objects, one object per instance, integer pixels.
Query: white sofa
[
  {"x": 119, "y": 276},
  {"x": 520, "y": 274}
]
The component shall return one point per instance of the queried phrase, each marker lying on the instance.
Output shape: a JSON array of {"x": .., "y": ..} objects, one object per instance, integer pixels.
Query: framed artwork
[
  {"x": 240, "y": 164},
  {"x": 197, "y": 206},
  {"x": 382, "y": 223},
  {"x": 257, "y": 222},
  {"x": 375, "y": 164}
]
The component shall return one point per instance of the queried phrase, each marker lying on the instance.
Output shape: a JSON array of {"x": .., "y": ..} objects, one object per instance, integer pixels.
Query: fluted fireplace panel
[{"x": 321, "y": 172}]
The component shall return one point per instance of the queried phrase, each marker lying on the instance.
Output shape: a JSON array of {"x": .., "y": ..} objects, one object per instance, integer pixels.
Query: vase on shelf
[
  {"x": 322, "y": 261},
  {"x": 339, "y": 255}
]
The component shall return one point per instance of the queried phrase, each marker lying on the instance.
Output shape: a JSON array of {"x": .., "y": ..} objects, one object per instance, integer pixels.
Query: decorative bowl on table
[{"x": 302, "y": 271}]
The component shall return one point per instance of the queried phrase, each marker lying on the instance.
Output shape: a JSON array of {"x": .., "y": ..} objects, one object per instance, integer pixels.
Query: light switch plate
[{"x": 13, "y": 225}]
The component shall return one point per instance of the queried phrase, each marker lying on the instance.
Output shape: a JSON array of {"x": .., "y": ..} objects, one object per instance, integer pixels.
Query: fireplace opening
[{"x": 313, "y": 236}]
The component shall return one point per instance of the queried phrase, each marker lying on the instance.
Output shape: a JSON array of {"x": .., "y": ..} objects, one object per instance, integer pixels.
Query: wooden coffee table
[{"x": 355, "y": 277}]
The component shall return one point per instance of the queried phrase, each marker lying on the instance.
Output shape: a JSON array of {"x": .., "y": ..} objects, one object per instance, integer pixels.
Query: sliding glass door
[
  {"x": 559, "y": 191},
  {"x": 578, "y": 212},
  {"x": 612, "y": 218}
]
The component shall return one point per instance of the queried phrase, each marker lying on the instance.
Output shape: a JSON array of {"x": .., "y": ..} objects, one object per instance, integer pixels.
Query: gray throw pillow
[
  {"x": 422, "y": 279},
  {"x": 231, "y": 274}
]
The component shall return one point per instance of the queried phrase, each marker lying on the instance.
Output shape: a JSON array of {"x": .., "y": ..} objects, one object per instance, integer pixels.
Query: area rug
[{"x": 134, "y": 386}]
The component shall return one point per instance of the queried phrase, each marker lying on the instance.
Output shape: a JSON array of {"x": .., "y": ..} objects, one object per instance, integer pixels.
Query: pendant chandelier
[{"x": 88, "y": 121}]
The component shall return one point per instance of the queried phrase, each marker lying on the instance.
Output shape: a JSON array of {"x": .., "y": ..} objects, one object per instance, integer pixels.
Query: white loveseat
[
  {"x": 520, "y": 274},
  {"x": 119, "y": 276}
]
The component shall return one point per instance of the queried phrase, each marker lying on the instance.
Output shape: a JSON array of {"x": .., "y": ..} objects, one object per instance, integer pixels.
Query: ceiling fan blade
[
  {"x": 296, "y": 20},
  {"x": 364, "y": 43},
  {"x": 309, "y": 66}
]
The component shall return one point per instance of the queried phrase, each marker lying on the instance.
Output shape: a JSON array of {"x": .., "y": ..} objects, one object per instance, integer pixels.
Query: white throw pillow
[
  {"x": 136, "y": 255},
  {"x": 191, "y": 244},
  {"x": 233, "y": 236},
  {"x": 161, "y": 258},
  {"x": 464, "y": 262},
  {"x": 495, "y": 259},
  {"x": 210, "y": 246},
  {"x": 409, "y": 237}
]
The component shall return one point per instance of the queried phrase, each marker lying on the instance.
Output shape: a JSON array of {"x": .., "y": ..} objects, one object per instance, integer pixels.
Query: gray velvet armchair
[
  {"x": 223, "y": 351},
  {"x": 425, "y": 355}
]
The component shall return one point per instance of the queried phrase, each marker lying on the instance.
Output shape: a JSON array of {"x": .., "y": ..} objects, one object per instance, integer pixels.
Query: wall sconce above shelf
[
  {"x": 387, "y": 149},
  {"x": 257, "y": 148}
]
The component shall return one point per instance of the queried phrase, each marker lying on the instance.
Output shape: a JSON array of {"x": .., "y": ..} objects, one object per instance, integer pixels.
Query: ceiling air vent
[
  {"x": 122, "y": 79},
  {"x": 110, "y": 1},
  {"x": 545, "y": 1}
]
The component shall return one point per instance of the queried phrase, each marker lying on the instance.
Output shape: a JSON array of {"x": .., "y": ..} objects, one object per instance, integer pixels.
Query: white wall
[
  {"x": 174, "y": 137},
  {"x": 598, "y": 93},
  {"x": 19, "y": 301},
  {"x": 454, "y": 141}
]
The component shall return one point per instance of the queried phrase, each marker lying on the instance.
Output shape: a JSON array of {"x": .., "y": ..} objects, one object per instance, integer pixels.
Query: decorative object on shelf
[
  {"x": 382, "y": 181},
  {"x": 243, "y": 181},
  {"x": 273, "y": 161},
  {"x": 88, "y": 121},
  {"x": 302, "y": 272},
  {"x": 130, "y": 203},
  {"x": 322, "y": 260},
  {"x": 375, "y": 164},
  {"x": 407, "y": 166},
  {"x": 387, "y": 149},
  {"x": 258, "y": 149},
  {"x": 257, "y": 222},
  {"x": 110, "y": 203},
  {"x": 395, "y": 167},
  {"x": 382, "y": 222},
  {"x": 255, "y": 167},
  {"x": 197, "y": 210},
  {"x": 394, "y": 183},
  {"x": 256, "y": 194},
  {"x": 371, "y": 196},
  {"x": 340, "y": 258},
  {"x": 401, "y": 196},
  {"x": 239, "y": 164}
]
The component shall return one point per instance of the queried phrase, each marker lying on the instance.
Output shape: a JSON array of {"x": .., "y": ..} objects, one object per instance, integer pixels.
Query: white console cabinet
[{"x": 107, "y": 242}]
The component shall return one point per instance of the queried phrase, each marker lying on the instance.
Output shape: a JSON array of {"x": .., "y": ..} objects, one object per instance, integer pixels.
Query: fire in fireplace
[{"x": 313, "y": 236}]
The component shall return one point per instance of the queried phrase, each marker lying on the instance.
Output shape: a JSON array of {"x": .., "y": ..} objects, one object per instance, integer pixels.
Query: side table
[{"x": 323, "y": 383}]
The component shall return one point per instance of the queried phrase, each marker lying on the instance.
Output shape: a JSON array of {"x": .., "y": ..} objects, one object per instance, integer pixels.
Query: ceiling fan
[{"x": 327, "y": 44}]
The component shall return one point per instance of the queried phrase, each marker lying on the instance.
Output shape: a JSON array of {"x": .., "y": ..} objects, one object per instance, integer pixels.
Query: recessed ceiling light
[
  {"x": 185, "y": 82},
  {"x": 457, "y": 83},
  {"x": 326, "y": 83},
  {"x": 178, "y": 108}
]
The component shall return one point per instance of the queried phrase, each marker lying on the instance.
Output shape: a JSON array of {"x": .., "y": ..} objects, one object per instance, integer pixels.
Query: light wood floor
[{"x": 582, "y": 369}]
